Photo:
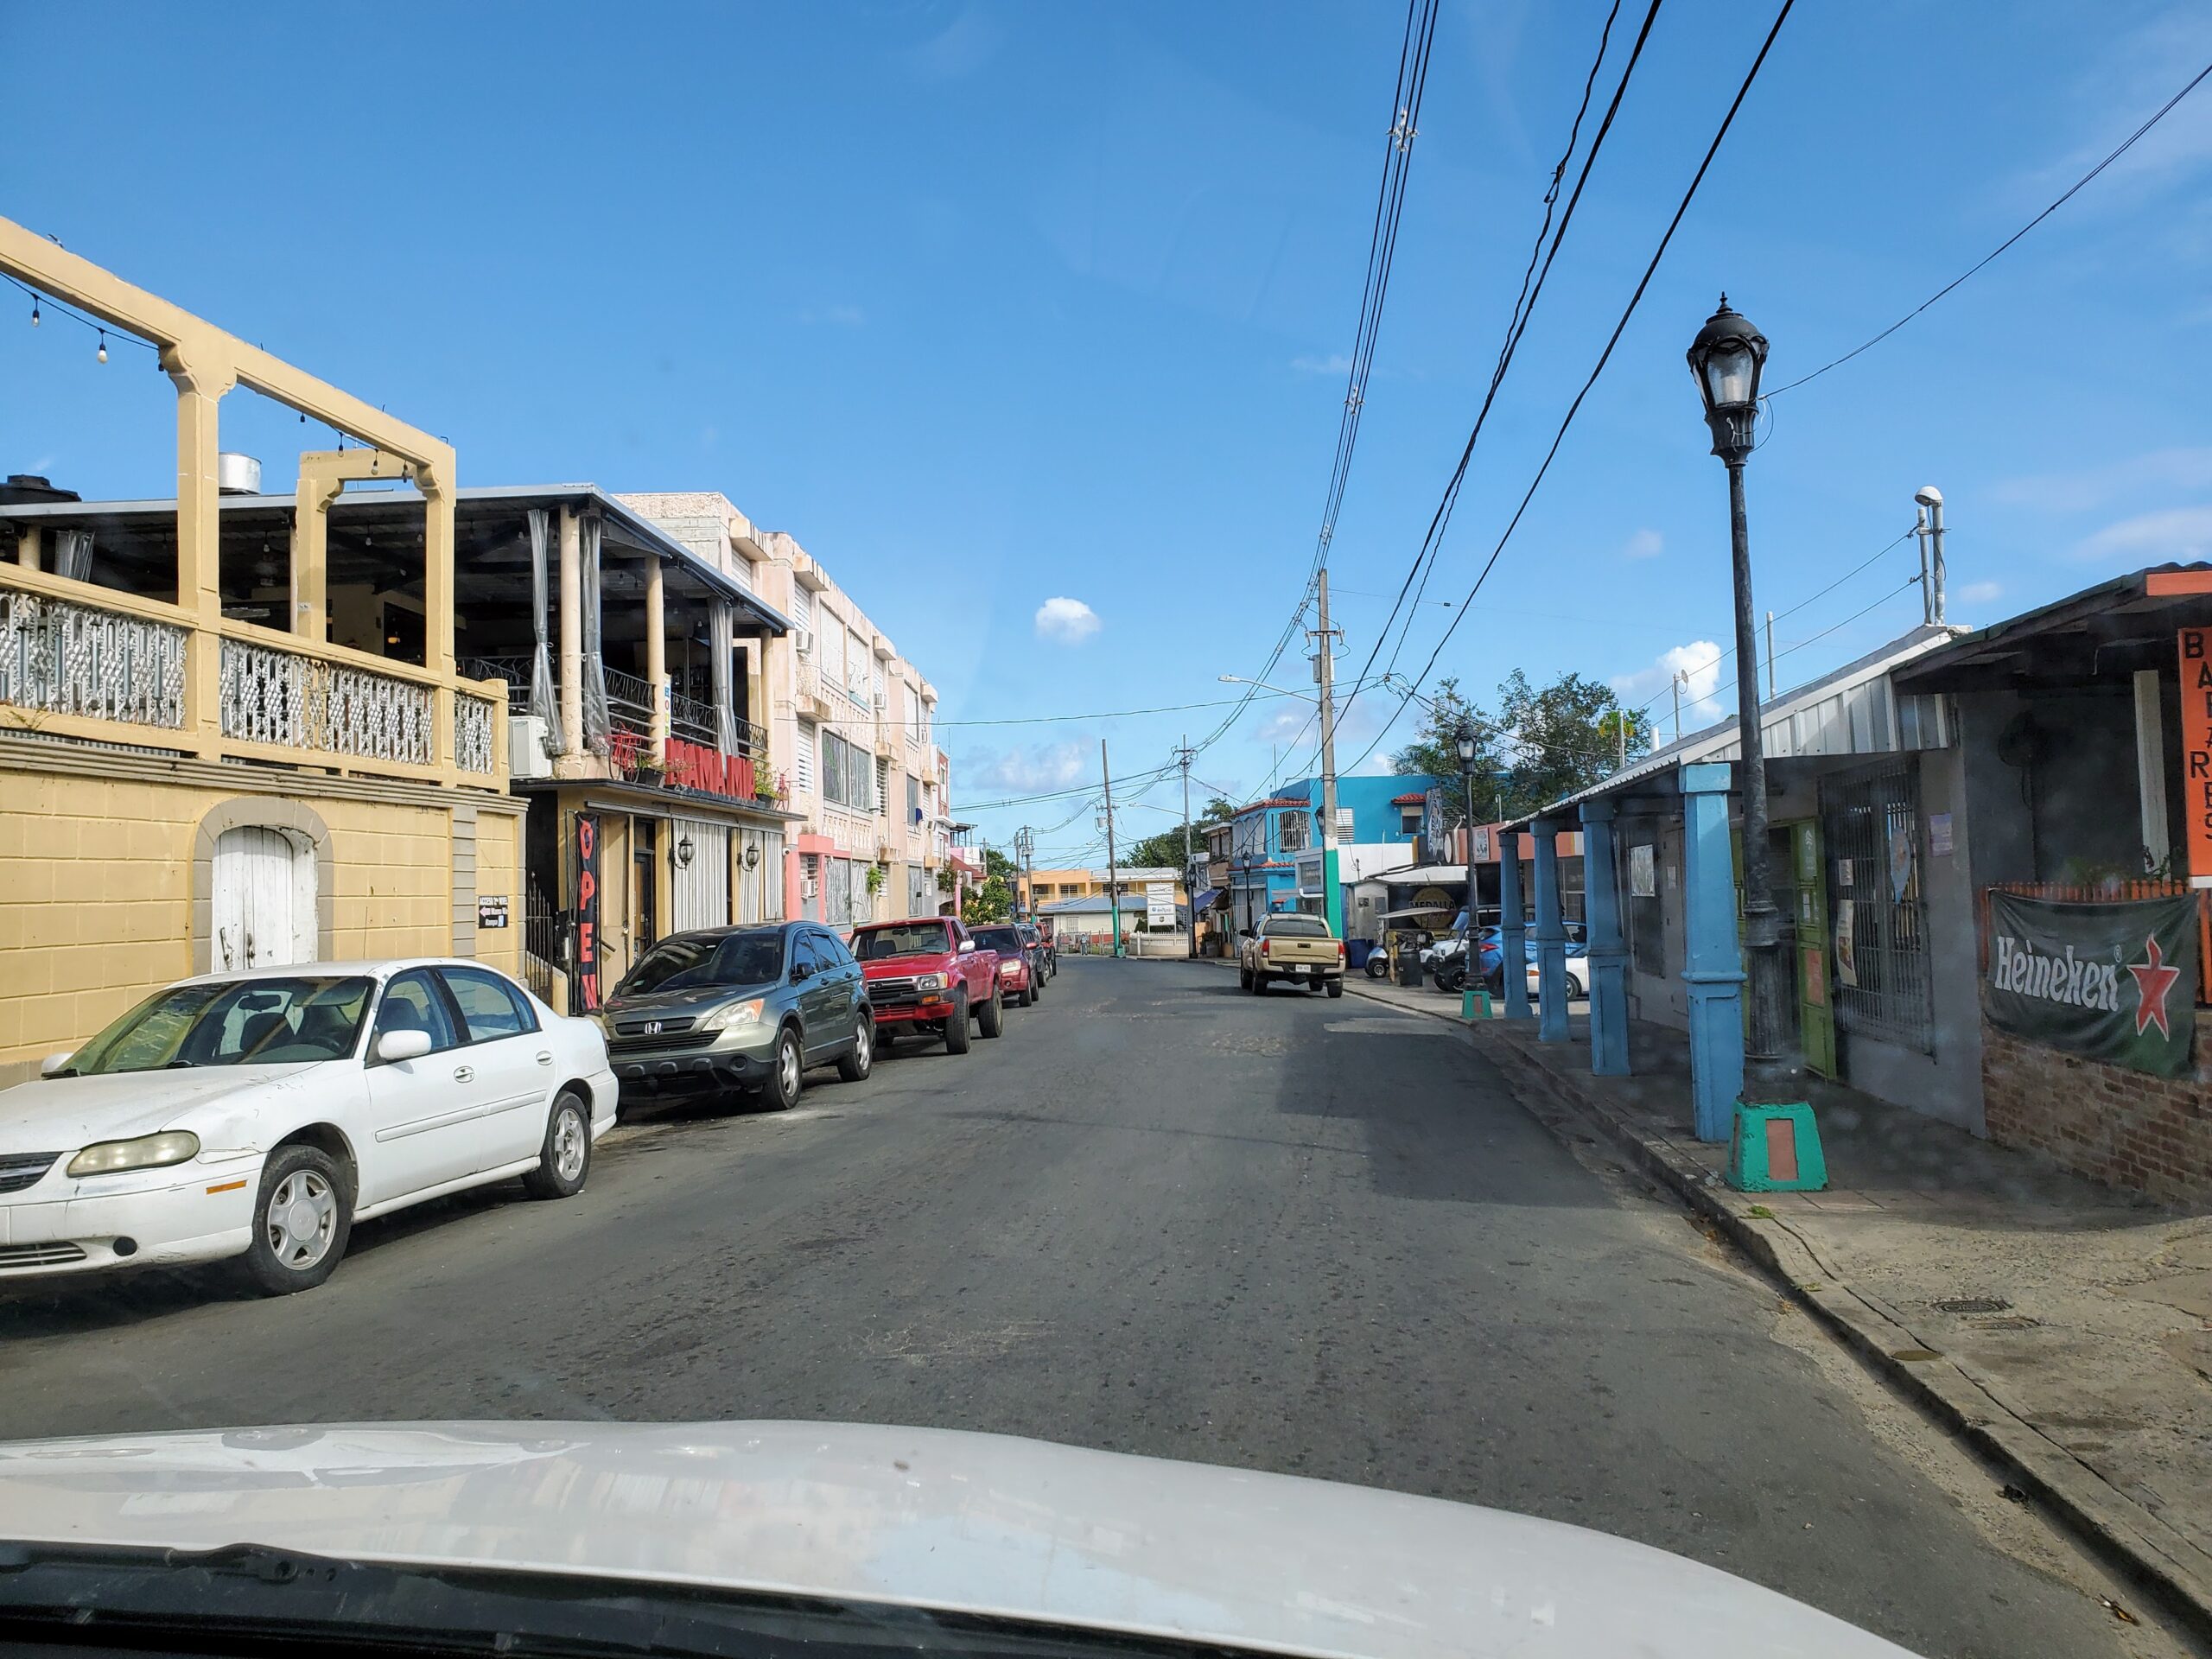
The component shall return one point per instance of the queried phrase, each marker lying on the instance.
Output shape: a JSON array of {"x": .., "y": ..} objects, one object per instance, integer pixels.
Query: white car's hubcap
[
  {"x": 302, "y": 1217},
  {"x": 568, "y": 1143}
]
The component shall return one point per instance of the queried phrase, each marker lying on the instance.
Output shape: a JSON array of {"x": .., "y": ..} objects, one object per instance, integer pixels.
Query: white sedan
[
  {"x": 260, "y": 1115},
  {"x": 1578, "y": 979}
]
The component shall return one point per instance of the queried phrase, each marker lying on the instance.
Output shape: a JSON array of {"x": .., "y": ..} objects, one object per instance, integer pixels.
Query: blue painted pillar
[
  {"x": 1608, "y": 956},
  {"x": 1712, "y": 962},
  {"x": 1513, "y": 927},
  {"x": 1551, "y": 937}
]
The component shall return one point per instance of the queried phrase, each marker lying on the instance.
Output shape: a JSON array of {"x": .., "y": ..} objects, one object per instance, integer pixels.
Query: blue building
[{"x": 1381, "y": 822}]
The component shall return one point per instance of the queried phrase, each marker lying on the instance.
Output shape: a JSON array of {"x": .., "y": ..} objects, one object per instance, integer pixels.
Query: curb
[{"x": 2124, "y": 1534}]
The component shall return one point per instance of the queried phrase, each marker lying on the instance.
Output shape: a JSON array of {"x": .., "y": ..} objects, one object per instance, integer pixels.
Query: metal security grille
[
  {"x": 542, "y": 956},
  {"x": 1870, "y": 822}
]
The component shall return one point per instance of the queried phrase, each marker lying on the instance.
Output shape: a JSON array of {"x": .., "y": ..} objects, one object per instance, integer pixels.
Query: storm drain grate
[{"x": 1973, "y": 1305}]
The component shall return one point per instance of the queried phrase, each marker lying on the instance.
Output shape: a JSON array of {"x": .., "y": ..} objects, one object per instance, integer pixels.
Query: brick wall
[{"x": 2126, "y": 1128}]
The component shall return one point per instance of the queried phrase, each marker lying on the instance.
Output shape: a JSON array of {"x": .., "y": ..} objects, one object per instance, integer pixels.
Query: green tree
[
  {"x": 1565, "y": 736},
  {"x": 1546, "y": 743},
  {"x": 990, "y": 899},
  {"x": 1164, "y": 850}
]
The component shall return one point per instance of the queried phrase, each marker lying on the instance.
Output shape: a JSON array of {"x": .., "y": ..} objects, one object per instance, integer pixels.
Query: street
[{"x": 1159, "y": 1215}]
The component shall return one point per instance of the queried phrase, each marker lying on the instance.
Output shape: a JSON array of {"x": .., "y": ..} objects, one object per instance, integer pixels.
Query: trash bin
[
  {"x": 1357, "y": 952},
  {"x": 1409, "y": 966}
]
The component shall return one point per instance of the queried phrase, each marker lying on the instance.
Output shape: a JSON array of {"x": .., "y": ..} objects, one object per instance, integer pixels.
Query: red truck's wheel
[
  {"x": 991, "y": 1019},
  {"x": 955, "y": 1029}
]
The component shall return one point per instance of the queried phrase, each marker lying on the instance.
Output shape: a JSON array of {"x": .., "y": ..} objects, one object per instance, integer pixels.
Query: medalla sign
[{"x": 2112, "y": 983}]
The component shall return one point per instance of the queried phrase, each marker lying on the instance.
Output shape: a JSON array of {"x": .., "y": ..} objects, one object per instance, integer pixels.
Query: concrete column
[
  {"x": 1551, "y": 937},
  {"x": 657, "y": 661},
  {"x": 199, "y": 546},
  {"x": 28, "y": 544},
  {"x": 1608, "y": 956},
  {"x": 1513, "y": 927},
  {"x": 311, "y": 499},
  {"x": 572, "y": 633},
  {"x": 1713, "y": 961}
]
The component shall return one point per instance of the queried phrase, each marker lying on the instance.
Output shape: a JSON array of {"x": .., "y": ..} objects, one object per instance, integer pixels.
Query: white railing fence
[
  {"x": 66, "y": 658},
  {"x": 271, "y": 695}
]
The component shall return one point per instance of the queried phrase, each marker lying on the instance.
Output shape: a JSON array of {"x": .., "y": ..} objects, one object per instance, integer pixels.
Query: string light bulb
[
  {"x": 34, "y": 311},
  {"x": 102, "y": 345}
]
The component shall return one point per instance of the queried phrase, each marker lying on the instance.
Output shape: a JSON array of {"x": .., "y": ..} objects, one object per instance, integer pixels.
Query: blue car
[{"x": 1491, "y": 943}]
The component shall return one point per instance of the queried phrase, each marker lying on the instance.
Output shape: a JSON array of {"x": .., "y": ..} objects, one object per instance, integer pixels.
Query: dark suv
[{"x": 731, "y": 1009}]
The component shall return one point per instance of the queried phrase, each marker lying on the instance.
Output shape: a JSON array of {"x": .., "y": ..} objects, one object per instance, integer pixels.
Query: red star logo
[{"x": 2153, "y": 979}]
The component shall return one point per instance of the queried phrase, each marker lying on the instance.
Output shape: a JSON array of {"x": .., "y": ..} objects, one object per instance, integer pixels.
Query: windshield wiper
[{"x": 178, "y": 1066}]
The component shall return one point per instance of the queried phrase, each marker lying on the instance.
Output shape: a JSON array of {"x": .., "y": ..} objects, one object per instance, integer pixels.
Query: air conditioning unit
[
  {"x": 803, "y": 641},
  {"x": 526, "y": 756},
  {"x": 882, "y": 702}
]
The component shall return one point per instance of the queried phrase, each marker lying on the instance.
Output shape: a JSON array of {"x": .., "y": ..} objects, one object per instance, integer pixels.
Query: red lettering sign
[
  {"x": 2195, "y": 645},
  {"x": 583, "y": 967}
]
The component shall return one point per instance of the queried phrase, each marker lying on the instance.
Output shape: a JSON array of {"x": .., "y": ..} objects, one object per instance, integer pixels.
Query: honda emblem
[{"x": 653, "y": 1028}]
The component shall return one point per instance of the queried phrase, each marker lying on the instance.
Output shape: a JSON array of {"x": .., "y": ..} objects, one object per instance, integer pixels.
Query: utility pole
[
  {"x": 1113, "y": 875},
  {"x": 1189, "y": 867},
  {"x": 1332, "y": 903},
  {"x": 1770, "y": 655},
  {"x": 1678, "y": 705},
  {"x": 1025, "y": 872}
]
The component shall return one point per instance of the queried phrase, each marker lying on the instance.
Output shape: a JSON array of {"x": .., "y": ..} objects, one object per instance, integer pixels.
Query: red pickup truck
[{"x": 926, "y": 976}]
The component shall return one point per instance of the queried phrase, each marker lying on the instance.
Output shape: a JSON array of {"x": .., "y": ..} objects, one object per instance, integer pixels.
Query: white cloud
[
  {"x": 1067, "y": 621},
  {"x": 2180, "y": 533},
  {"x": 1020, "y": 771},
  {"x": 1644, "y": 544},
  {"x": 2083, "y": 488},
  {"x": 1700, "y": 661},
  {"x": 1335, "y": 363},
  {"x": 1979, "y": 593}
]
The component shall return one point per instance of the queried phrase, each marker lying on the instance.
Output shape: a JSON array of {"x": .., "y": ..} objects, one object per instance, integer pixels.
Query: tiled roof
[{"x": 1415, "y": 799}]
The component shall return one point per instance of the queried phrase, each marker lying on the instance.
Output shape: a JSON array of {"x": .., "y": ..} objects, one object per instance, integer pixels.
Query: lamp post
[
  {"x": 1726, "y": 359},
  {"x": 1467, "y": 779}
]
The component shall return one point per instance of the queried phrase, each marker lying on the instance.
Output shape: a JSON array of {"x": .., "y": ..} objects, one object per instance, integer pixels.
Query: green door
[{"x": 1815, "y": 1014}]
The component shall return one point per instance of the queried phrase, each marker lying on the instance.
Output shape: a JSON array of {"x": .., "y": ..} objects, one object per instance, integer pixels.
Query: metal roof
[
  {"x": 1851, "y": 710},
  {"x": 633, "y": 528}
]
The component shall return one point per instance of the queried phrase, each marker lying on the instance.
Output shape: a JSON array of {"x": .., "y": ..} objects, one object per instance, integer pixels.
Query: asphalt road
[{"x": 1159, "y": 1215}]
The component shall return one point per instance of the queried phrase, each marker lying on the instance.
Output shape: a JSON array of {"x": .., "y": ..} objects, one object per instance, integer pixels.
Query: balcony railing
[
  {"x": 90, "y": 665},
  {"x": 65, "y": 659},
  {"x": 273, "y": 695}
]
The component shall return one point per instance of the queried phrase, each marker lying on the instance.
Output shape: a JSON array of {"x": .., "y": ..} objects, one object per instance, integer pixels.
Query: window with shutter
[
  {"x": 802, "y": 607},
  {"x": 882, "y": 787},
  {"x": 857, "y": 664},
  {"x": 804, "y": 773},
  {"x": 833, "y": 767}
]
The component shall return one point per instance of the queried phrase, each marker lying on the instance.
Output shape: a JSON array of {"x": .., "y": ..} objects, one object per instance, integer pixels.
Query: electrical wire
[
  {"x": 2126, "y": 145},
  {"x": 1413, "y": 51},
  {"x": 41, "y": 301},
  {"x": 1604, "y": 357},
  {"x": 1523, "y": 308}
]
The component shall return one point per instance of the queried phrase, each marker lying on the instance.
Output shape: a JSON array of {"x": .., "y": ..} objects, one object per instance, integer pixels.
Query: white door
[
  {"x": 424, "y": 1114},
  {"x": 701, "y": 888},
  {"x": 264, "y": 897}
]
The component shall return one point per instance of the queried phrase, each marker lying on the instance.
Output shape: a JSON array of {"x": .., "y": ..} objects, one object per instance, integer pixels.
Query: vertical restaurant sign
[
  {"x": 2197, "y": 750},
  {"x": 2113, "y": 982},
  {"x": 583, "y": 965}
]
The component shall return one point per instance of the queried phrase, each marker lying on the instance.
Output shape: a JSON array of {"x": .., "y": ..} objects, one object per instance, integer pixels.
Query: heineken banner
[{"x": 2111, "y": 982}]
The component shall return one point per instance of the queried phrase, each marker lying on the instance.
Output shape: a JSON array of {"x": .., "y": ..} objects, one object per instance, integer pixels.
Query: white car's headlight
[
  {"x": 147, "y": 1152},
  {"x": 747, "y": 1012},
  {"x": 931, "y": 982}
]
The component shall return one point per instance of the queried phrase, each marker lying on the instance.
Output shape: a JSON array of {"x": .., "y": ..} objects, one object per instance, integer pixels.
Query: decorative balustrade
[
  {"x": 62, "y": 658},
  {"x": 269, "y": 695},
  {"x": 473, "y": 728}
]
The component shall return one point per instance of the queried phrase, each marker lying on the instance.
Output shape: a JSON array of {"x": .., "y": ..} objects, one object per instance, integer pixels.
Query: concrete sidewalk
[{"x": 2064, "y": 1328}]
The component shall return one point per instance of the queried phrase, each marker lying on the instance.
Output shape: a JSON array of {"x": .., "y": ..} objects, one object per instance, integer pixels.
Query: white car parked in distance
[{"x": 261, "y": 1113}]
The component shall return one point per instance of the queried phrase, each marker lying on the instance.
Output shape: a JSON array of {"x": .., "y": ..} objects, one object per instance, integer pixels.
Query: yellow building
[
  {"x": 184, "y": 788},
  {"x": 1045, "y": 886}
]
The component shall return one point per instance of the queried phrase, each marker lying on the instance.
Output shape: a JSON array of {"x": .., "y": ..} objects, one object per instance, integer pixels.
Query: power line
[
  {"x": 1516, "y": 325},
  {"x": 42, "y": 302},
  {"x": 1604, "y": 357},
  {"x": 2126, "y": 145},
  {"x": 1405, "y": 106}
]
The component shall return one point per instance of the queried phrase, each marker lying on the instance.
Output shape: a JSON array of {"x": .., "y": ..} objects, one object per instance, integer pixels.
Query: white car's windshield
[{"x": 231, "y": 1022}]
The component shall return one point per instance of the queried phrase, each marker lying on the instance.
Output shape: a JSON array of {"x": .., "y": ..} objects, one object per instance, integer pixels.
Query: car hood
[
  {"x": 979, "y": 1524},
  {"x": 688, "y": 1000},
  {"x": 921, "y": 962},
  {"x": 58, "y": 1114}
]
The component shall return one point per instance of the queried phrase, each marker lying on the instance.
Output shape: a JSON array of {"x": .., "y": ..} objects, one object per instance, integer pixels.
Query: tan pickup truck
[{"x": 1291, "y": 946}]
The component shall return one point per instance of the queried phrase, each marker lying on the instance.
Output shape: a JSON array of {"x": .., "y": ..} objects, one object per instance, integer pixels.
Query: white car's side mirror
[
  {"x": 396, "y": 1045},
  {"x": 52, "y": 1064}
]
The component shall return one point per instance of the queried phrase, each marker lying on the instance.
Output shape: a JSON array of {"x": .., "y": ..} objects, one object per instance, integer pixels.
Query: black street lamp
[
  {"x": 1467, "y": 778},
  {"x": 1726, "y": 358}
]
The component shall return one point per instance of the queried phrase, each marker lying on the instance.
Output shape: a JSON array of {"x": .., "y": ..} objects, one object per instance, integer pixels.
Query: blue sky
[{"x": 994, "y": 304}]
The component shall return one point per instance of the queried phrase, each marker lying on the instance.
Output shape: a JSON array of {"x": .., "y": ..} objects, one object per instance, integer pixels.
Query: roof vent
[{"x": 237, "y": 474}]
